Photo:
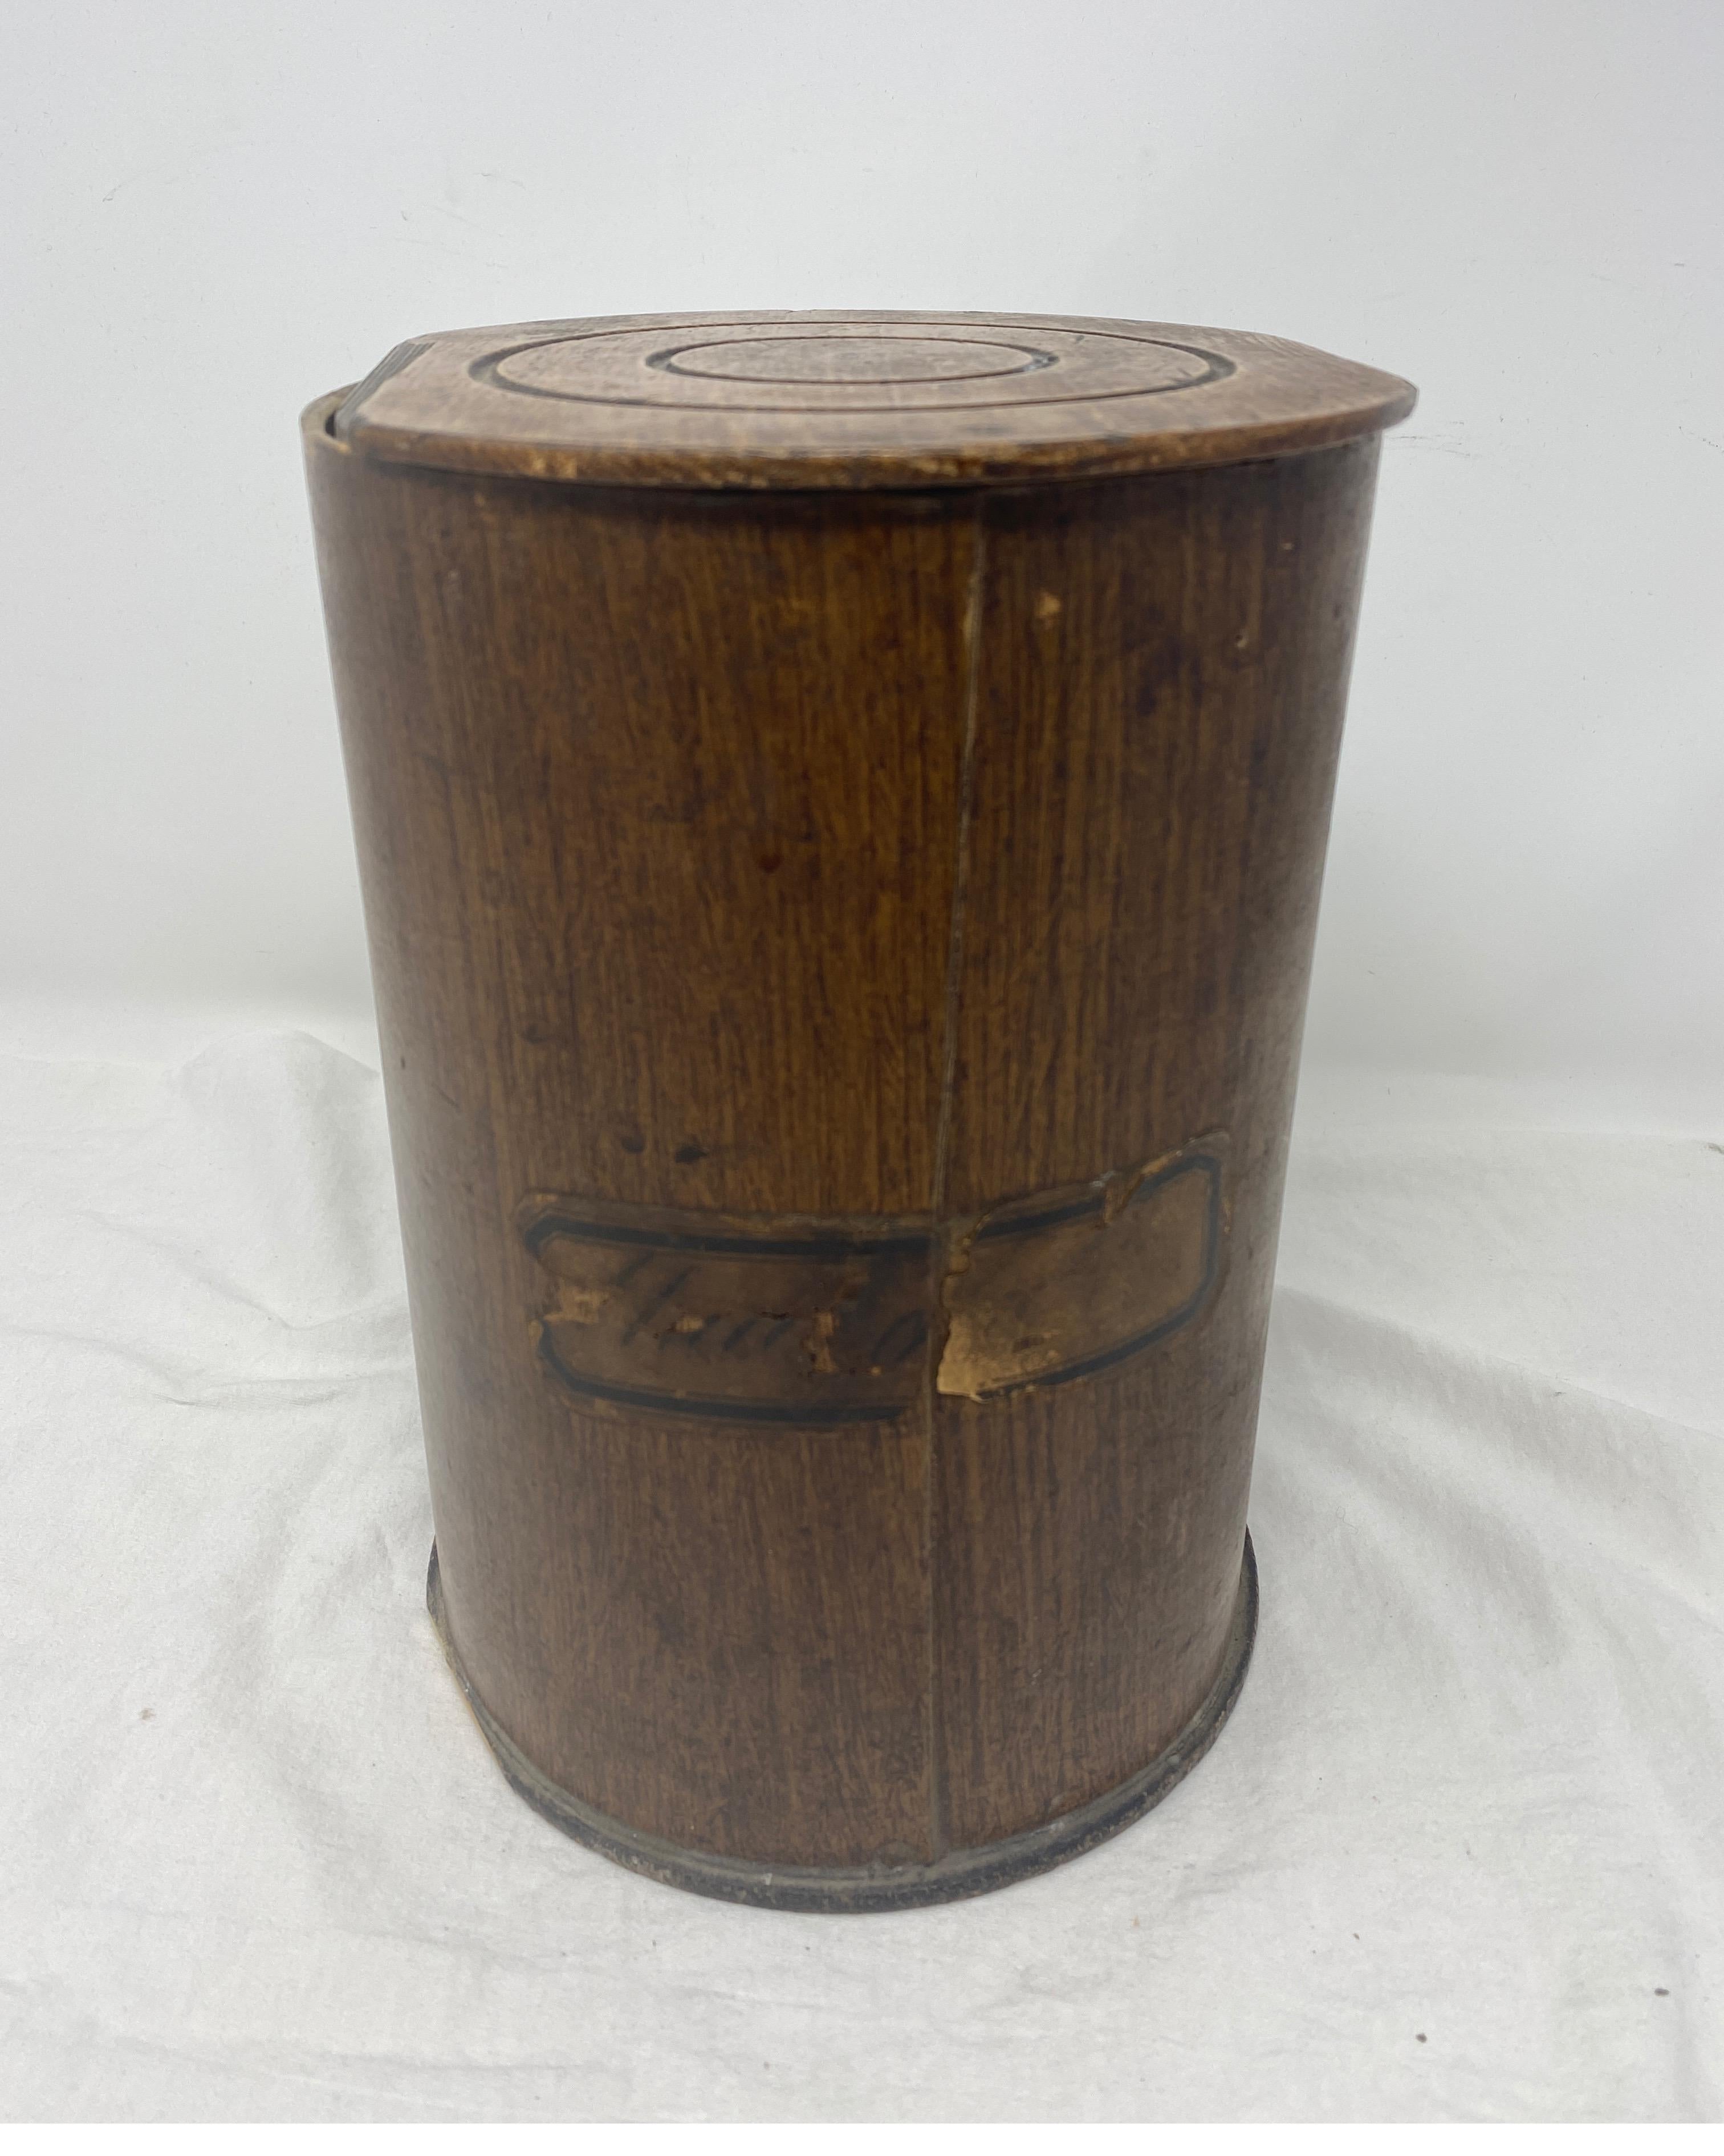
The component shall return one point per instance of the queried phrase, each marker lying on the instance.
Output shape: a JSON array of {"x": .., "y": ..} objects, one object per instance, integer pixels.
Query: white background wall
[{"x": 214, "y": 212}]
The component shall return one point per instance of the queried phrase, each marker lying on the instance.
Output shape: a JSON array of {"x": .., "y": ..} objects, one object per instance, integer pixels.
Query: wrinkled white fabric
[{"x": 1456, "y": 1855}]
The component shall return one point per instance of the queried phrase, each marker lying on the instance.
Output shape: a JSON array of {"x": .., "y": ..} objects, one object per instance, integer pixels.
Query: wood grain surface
[
  {"x": 840, "y": 956},
  {"x": 854, "y": 400}
]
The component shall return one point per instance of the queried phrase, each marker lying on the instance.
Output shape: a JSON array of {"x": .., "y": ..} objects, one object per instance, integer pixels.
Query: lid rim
[{"x": 592, "y": 403}]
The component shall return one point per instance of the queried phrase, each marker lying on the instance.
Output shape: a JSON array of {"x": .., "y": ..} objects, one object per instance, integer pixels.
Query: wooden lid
[{"x": 854, "y": 400}]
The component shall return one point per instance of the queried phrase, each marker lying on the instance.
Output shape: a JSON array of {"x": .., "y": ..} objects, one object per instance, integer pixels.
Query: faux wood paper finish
[{"x": 885, "y": 917}]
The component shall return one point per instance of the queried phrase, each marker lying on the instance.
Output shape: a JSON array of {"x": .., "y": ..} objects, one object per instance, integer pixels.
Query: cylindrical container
[{"x": 841, "y": 802}]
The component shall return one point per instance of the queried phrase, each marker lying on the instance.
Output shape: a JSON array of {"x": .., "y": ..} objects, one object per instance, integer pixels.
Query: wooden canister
[{"x": 841, "y": 802}]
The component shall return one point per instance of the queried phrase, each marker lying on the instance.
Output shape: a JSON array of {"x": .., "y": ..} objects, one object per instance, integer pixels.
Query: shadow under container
[{"x": 841, "y": 804}]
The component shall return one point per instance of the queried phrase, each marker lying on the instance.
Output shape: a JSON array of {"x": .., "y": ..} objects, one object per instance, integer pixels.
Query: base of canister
[{"x": 951, "y": 1878}]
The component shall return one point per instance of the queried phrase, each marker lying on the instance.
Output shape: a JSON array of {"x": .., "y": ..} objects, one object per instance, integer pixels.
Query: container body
[{"x": 840, "y": 961}]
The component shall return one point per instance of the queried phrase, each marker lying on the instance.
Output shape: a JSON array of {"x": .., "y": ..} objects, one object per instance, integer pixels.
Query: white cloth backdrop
[{"x": 1457, "y": 1855}]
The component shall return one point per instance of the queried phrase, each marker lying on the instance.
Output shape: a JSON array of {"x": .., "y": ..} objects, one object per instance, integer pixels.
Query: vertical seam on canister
[{"x": 939, "y": 1252}]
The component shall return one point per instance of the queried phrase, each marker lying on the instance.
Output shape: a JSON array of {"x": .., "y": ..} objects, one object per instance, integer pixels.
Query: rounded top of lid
[{"x": 854, "y": 400}]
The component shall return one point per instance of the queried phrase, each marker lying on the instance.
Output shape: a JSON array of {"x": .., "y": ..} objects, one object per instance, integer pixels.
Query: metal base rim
[{"x": 953, "y": 1877}]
